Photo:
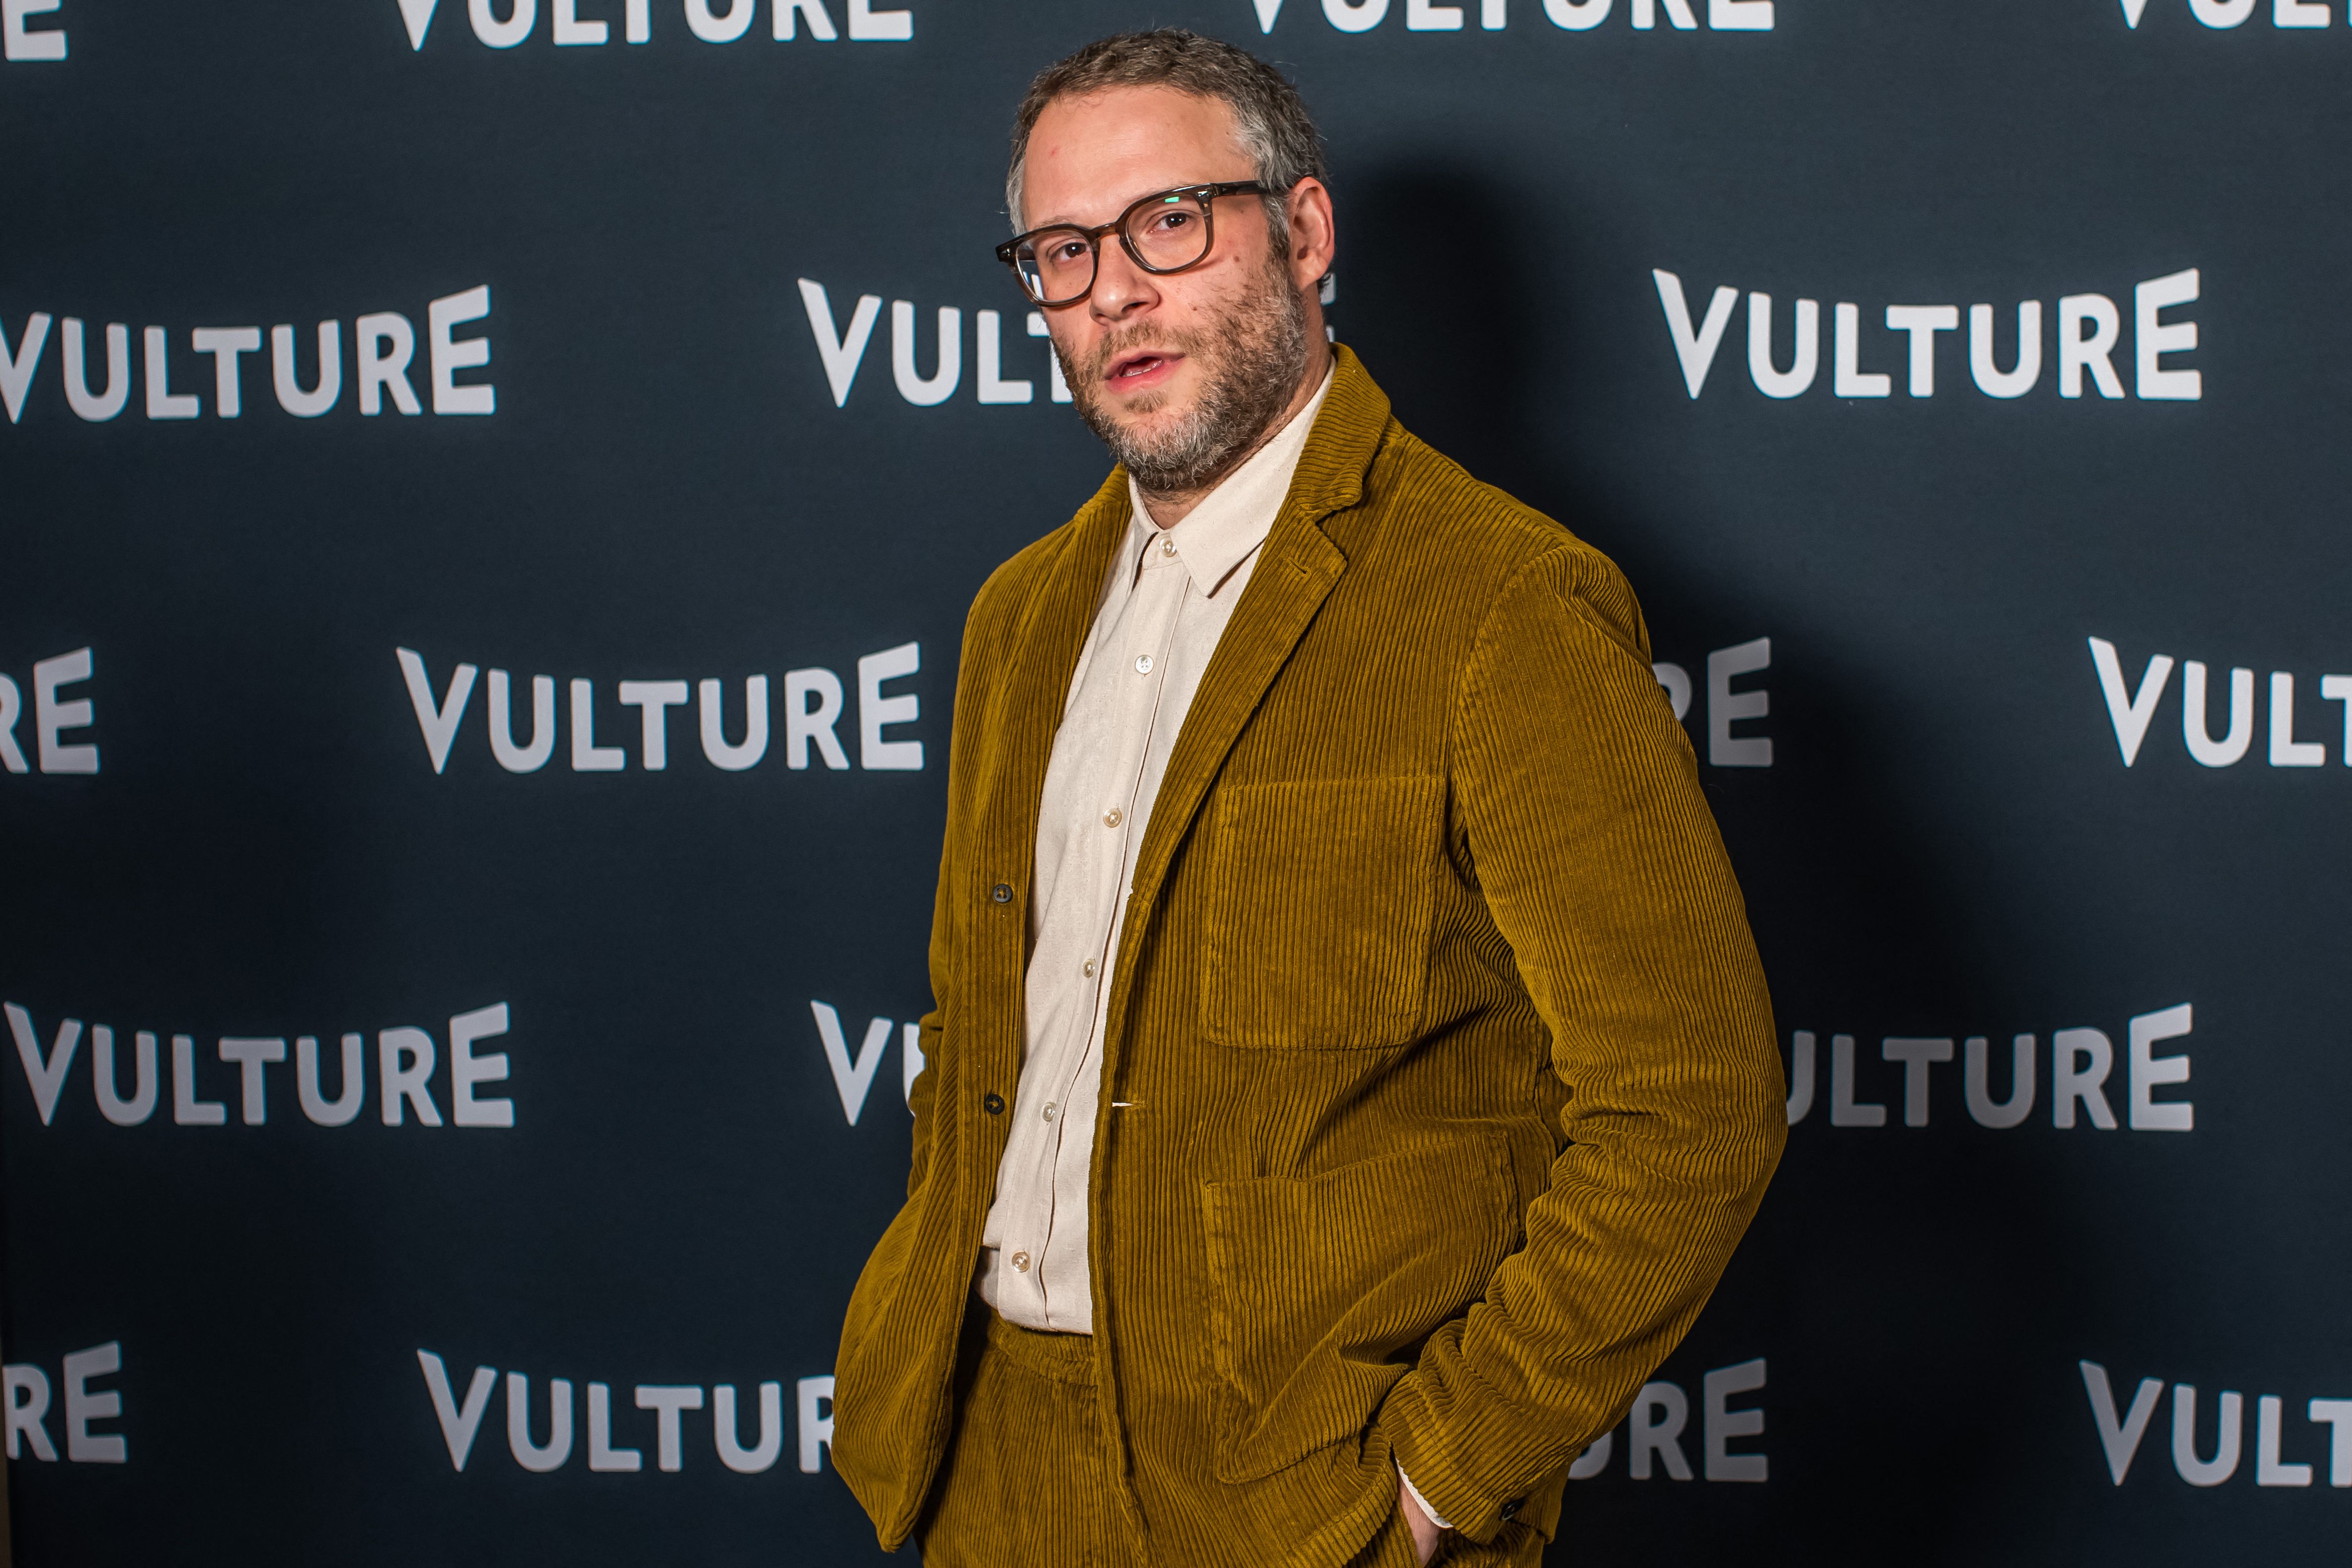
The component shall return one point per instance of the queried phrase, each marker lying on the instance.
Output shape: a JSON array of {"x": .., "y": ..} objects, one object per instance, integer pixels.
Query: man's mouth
[{"x": 1145, "y": 368}]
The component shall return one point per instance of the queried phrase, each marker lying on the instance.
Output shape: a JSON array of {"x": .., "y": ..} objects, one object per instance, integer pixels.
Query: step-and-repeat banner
[{"x": 488, "y": 495}]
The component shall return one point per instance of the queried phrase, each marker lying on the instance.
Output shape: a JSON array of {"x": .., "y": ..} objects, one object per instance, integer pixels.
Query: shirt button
[
  {"x": 1113, "y": 818},
  {"x": 1001, "y": 893},
  {"x": 1087, "y": 968},
  {"x": 1020, "y": 1262},
  {"x": 1050, "y": 1109},
  {"x": 1143, "y": 664},
  {"x": 1167, "y": 547}
]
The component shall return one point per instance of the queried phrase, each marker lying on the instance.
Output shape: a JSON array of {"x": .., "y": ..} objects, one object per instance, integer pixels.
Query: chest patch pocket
[{"x": 1320, "y": 897}]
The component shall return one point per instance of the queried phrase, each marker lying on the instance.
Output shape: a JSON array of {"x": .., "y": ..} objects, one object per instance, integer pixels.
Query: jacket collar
[{"x": 1299, "y": 569}]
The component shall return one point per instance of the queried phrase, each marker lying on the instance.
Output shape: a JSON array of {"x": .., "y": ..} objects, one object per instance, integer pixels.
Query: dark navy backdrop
[{"x": 243, "y": 1314}]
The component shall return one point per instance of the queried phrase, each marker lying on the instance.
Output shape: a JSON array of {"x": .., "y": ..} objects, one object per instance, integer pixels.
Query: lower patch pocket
[{"x": 1319, "y": 1283}]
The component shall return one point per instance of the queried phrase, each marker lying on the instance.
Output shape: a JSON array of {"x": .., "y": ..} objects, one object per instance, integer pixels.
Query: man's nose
[{"x": 1122, "y": 289}]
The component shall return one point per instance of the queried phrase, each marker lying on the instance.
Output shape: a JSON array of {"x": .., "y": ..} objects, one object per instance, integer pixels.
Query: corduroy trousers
[{"x": 1029, "y": 1482}]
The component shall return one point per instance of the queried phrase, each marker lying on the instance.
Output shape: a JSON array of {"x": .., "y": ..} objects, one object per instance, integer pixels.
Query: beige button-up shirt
[{"x": 1164, "y": 606}]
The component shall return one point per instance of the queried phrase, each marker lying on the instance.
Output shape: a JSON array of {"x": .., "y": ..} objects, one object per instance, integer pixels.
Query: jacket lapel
[
  {"x": 1047, "y": 639},
  {"x": 1299, "y": 569}
]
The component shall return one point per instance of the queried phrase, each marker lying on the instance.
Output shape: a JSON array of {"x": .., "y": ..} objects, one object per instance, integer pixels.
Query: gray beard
[{"x": 1252, "y": 365}]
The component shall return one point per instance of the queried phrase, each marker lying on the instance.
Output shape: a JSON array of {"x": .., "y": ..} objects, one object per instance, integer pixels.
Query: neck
[{"x": 1169, "y": 507}]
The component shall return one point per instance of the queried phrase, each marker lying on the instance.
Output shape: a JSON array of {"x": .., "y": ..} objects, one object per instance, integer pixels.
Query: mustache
[{"x": 1127, "y": 339}]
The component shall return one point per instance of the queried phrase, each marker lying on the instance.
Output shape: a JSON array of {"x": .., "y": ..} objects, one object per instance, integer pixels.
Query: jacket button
[
  {"x": 994, "y": 1104},
  {"x": 1510, "y": 1509},
  {"x": 1001, "y": 892}
]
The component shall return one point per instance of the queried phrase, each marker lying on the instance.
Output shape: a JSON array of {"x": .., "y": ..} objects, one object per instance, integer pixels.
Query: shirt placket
[{"x": 1144, "y": 652}]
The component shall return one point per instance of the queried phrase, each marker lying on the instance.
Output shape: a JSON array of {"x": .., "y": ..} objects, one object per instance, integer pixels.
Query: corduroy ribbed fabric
[
  {"x": 1438, "y": 1079},
  {"x": 1029, "y": 1479}
]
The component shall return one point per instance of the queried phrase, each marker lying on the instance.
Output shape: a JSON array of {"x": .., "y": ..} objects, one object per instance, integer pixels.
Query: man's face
[{"x": 1179, "y": 375}]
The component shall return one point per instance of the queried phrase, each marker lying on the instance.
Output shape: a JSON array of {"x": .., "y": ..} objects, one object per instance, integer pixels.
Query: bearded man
[{"x": 1350, "y": 1070}]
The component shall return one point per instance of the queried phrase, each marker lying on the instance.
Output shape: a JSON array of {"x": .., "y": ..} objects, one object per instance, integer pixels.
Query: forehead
[{"x": 1089, "y": 156}]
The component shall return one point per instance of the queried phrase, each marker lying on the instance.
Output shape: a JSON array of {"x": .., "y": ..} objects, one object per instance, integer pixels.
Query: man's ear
[{"x": 1313, "y": 242}]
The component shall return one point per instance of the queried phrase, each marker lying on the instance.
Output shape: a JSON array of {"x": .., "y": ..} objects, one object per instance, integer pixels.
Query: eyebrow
[{"x": 1145, "y": 195}]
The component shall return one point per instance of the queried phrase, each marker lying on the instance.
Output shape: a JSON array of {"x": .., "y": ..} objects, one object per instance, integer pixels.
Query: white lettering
[
  {"x": 2231, "y": 1430},
  {"x": 994, "y": 387},
  {"x": 942, "y": 383},
  {"x": 1983, "y": 1109},
  {"x": 2120, "y": 1436},
  {"x": 124, "y": 1112},
  {"x": 711, "y": 702},
  {"x": 449, "y": 356},
  {"x": 1923, "y": 322},
  {"x": 46, "y": 1074},
  {"x": 1769, "y": 379},
  {"x": 602, "y": 1455},
  {"x": 16, "y": 365},
  {"x": 321, "y": 396},
  {"x": 405, "y": 1061},
  {"x": 877, "y": 711},
  {"x": 2078, "y": 352},
  {"x": 753, "y": 1461},
  {"x": 187, "y": 1110},
  {"x": 2152, "y": 340},
  {"x": 537, "y": 1458},
  {"x": 2285, "y": 750},
  {"x": 458, "y": 1425},
  {"x": 1695, "y": 348},
  {"x": 1990, "y": 379},
  {"x": 803, "y": 723},
  {"x": 533, "y": 756},
  {"x": 654, "y": 699},
  {"x": 1916, "y": 1055},
  {"x": 2129, "y": 712},
  {"x": 1844, "y": 1112},
  {"x": 1851, "y": 379},
  {"x": 51, "y": 718},
  {"x": 104, "y": 405},
  {"x": 226, "y": 344},
  {"x": 852, "y": 1079},
  {"x": 436, "y": 717},
  {"x": 841, "y": 353},
  {"x": 83, "y": 1445},
  {"x": 250, "y": 1056},
  {"x": 351, "y": 1087},
  {"x": 466, "y": 1069},
  {"x": 2084, "y": 1083},
  {"x": 2194, "y": 730},
  {"x": 163, "y": 403},
  {"x": 387, "y": 342},
  {"x": 1655, "y": 1426},
  {"x": 1722, "y": 1425},
  {"x": 27, "y": 1389},
  {"x": 814, "y": 1395},
  {"x": 1726, "y": 708},
  {"x": 2149, "y": 1070},
  {"x": 587, "y": 757},
  {"x": 19, "y": 43}
]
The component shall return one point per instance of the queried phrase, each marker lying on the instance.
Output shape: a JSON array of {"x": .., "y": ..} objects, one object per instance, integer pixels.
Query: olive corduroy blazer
[{"x": 1439, "y": 1079}]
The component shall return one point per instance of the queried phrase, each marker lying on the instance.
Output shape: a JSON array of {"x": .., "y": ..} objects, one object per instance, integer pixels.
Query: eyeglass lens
[{"x": 1168, "y": 232}]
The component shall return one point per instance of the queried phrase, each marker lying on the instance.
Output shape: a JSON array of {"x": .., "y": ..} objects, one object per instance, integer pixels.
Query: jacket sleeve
[{"x": 1601, "y": 865}]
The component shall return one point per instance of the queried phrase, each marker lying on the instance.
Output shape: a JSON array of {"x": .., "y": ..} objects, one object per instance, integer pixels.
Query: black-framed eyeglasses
[{"x": 1160, "y": 234}]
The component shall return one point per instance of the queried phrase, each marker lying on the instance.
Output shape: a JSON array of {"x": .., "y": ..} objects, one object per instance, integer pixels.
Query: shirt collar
[{"x": 1232, "y": 521}]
